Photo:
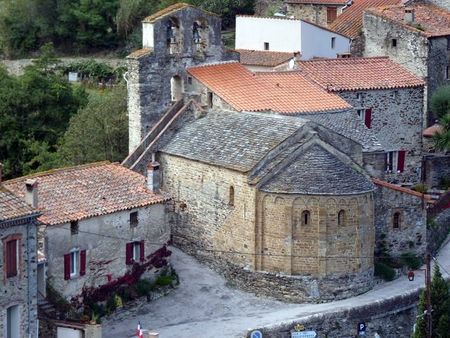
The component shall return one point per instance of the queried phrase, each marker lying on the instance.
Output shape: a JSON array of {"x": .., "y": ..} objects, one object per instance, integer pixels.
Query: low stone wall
[
  {"x": 438, "y": 230},
  {"x": 388, "y": 318},
  {"x": 436, "y": 167}
]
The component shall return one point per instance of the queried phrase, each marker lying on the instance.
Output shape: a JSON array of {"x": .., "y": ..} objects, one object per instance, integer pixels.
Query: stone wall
[
  {"x": 411, "y": 236},
  {"x": 388, "y": 318},
  {"x": 436, "y": 168},
  {"x": 357, "y": 45},
  {"x": 441, "y": 3},
  {"x": 438, "y": 230},
  {"x": 105, "y": 253},
  {"x": 397, "y": 122},
  {"x": 310, "y": 12},
  {"x": 20, "y": 290}
]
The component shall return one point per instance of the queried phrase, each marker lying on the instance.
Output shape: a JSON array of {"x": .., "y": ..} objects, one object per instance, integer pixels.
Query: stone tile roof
[
  {"x": 86, "y": 191},
  {"x": 232, "y": 140},
  {"x": 263, "y": 58},
  {"x": 170, "y": 10},
  {"x": 281, "y": 92},
  {"x": 350, "y": 21},
  {"x": 348, "y": 124},
  {"x": 358, "y": 74},
  {"x": 318, "y": 2},
  {"x": 430, "y": 20},
  {"x": 400, "y": 189},
  {"x": 318, "y": 172},
  {"x": 12, "y": 207}
]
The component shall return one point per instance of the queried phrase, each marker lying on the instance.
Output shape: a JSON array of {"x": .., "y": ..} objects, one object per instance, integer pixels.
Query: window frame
[
  {"x": 74, "y": 263},
  {"x": 134, "y": 219},
  {"x": 333, "y": 42},
  {"x": 17, "y": 239},
  {"x": 306, "y": 218},
  {"x": 396, "y": 220},
  {"x": 266, "y": 46}
]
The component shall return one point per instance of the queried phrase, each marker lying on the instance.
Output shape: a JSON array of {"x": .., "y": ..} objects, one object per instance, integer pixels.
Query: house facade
[
  {"x": 321, "y": 12},
  {"x": 18, "y": 267},
  {"x": 98, "y": 220}
]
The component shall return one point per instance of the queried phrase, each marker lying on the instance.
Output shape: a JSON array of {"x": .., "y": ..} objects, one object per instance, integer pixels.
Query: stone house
[
  {"x": 388, "y": 98},
  {"x": 97, "y": 221},
  {"x": 350, "y": 22},
  {"x": 299, "y": 36},
  {"x": 321, "y": 12},
  {"x": 18, "y": 266},
  {"x": 416, "y": 36}
]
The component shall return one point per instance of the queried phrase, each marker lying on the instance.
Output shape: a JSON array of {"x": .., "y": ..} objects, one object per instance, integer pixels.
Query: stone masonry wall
[
  {"x": 397, "y": 121},
  {"x": 105, "y": 253},
  {"x": 16, "y": 290},
  {"x": 438, "y": 230},
  {"x": 436, "y": 167},
  {"x": 313, "y": 13},
  {"x": 411, "y": 236},
  {"x": 441, "y": 3}
]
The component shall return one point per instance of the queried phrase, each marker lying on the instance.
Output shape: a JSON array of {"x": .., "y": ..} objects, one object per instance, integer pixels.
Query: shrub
[
  {"x": 422, "y": 188},
  {"x": 384, "y": 271},
  {"x": 411, "y": 260},
  {"x": 143, "y": 287},
  {"x": 163, "y": 280}
]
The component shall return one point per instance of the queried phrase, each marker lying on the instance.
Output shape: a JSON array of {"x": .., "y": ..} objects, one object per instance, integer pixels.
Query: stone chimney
[
  {"x": 153, "y": 175},
  {"x": 31, "y": 193},
  {"x": 409, "y": 15}
]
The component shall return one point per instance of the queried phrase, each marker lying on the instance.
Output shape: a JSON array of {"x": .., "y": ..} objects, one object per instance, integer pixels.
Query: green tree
[
  {"x": 99, "y": 131},
  {"x": 440, "y": 104},
  {"x": 442, "y": 138}
]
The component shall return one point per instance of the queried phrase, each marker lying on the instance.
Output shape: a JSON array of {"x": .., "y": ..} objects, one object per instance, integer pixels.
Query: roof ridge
[
  {"x": 214, "y": 63},
  {"x": 399, "y": 188}
]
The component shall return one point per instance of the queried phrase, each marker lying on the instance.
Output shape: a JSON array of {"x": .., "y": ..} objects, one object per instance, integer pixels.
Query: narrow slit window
[
  {"x": 266, "y": 46},
  {"x": 394, "y": 43},
  {"x": 134, "y": 221},
  {"x": 306, "y": 218},
  {"x": 396, "y": 221},
  {"x": 333, "y": 42},
  {"x": 341, "y": 218},
  {"x": 231, "y": 196}
]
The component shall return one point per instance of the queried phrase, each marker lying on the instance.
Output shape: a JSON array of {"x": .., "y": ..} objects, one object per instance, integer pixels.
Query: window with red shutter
[
  {"x": 401, "y": 161},
  {"x": 11, "y": 258},
  {"x": 142, "y": 251},
  {"x": 67, "y": 266},
  {"x": 368, "y": 118},
  {"x": 129, "y": 254},
  {"x": 82, "y": 262}
]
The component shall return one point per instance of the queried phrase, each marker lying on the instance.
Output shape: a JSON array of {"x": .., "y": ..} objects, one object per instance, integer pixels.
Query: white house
[{"x": 283, "y": 34}]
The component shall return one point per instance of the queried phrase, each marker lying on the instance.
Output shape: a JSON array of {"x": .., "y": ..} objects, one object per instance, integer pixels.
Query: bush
[
  {"x": 384, "y": 271},
  {"x": 422, "y": 188},
  {"x": 411, "y": 260},
  {"x": 163, "y": 280},
  {"x": 440, "y": 101},
  {"x": 143, "y": 287}
]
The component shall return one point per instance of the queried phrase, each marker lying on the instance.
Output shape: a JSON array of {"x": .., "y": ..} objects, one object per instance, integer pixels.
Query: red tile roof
[
  {"x": 12, "y": 207},
  {"x": 358, "y": 74},
  {"x": 318, "y": 2},
  {"x": 430, "y": 20},
  {"x": 433, "y": 130},
  {"x": 400, "y": 189},
  {"x": 85, "y": 191},
  {"x": 263, "y": 58},
  {"x": 349, "y": 22},
  {"x": 281, "y": 92}
]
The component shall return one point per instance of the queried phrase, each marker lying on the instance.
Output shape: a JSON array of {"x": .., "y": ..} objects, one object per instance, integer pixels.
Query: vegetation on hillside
[
  {"x": 440, "y": 104},
  {"x": 84, "y": 26}
]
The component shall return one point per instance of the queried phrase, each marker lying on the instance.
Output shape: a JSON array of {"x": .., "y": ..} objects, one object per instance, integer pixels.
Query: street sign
[
  {"x": 256, "y": 334},
  {"x": 362, "y": 329},
  {"x": 304, "y": 334}
]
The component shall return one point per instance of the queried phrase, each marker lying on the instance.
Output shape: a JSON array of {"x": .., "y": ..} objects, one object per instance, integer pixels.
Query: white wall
[
  {"x": 147, "y": 35},
  {"x": 316, "y": 42},
  {"x": 283, "y": 35}
]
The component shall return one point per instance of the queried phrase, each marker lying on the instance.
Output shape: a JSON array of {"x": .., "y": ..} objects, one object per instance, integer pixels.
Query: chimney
[
  {"x": 409, "y": 15},
  {"x": 153, "y": 175},
  {"x": 31, "y": 193}
]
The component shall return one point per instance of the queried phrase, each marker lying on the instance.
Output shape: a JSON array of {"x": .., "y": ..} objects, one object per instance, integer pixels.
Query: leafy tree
[
  {"x": 440, "y": 104},
  {"x": 99, "y": 131},
  {"x": 442, "y": 138}
]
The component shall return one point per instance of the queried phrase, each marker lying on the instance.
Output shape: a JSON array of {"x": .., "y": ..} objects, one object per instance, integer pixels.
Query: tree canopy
[{"x": 440, "y": 104}]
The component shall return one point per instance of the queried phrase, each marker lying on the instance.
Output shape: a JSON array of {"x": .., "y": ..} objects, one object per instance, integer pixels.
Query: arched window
[
  {"x": 231, "y": 196},
  {"x": 176, "y": 88},
  {"x": 306, "y": 218},
  {"x": 396, "y": 220},
  {"x": 341, "y": 218},
  {"x": 173, "y": 36},
  {"x": 200, "y": 34}
]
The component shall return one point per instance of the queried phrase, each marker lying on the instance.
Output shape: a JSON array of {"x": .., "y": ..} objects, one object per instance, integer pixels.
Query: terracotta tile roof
[
  {"x": 318, "y": 2},
  {"x": 349, "y": 22},
  {"x": 169, "y": 10},
  {"x": 85, "y": 191},
  {"x": 358, "y": 74},
  {"x": 280, "y": 92},
  {"x": 263, "y": 58},
  {"x": 401, "y": 189},
  {"x": 140, "y": 53},
  {"x": 12, "y": 207},
  {"x": 431, "y": 131},
  {"x": 430, "y": 20}
]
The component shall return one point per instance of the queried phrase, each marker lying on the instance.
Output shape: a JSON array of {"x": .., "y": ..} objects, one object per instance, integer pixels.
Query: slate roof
[
  {"x": 318, "y": 2},
  {"x": 85, "y": 191},
  {"x": 432, "y": 20},
  {"x": 280, "y": 92},
  {"x": 318, "y": 172},
  {"x": 350, "y": 21},
  {"x": 348, "y": 124},
  {"x": 263, "y": 58},
  {"x": 170, "y": 10},
  {"x": 232, "y": 140},
  {"x": 358, "y": 74},
  {"x": 12, "y": 207}
]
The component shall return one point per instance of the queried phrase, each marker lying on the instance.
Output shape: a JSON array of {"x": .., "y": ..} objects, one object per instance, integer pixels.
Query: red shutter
[
  {"x": 67, "y": 266},
  {"x": 82, "y": 262},
  {"x": 401, "y": 160},
  {"x": 129, "y": 254},
  {"x": 368, "y": 118},
  {"x": 142, "y": 251},
  {"x": 11, "y": 258}
]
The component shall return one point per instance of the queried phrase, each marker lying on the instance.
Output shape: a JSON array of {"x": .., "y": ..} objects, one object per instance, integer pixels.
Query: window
[
  {"x": 266, "y": 46},
  {"x": 74, "y": 264},
  {"x": 366, "y": 116},
  {"x": 331, "y": 14},
  {"x": 396, "y": 220},
  {"x": 13, "y": 322},
  {"x": 359, "y": 97},
  {"x": 73, "y": 227},
  {"x": 447, "y": 73},
  {"x": 134, "y": 252},
  {"x": 12, "y": 257},
  {"x": 189, "y": 79},
  {"x": 210, "y": 99},
  {"x": 341, "y": 218},
  {"x": 306, "y": 217},
  {"x": 394, "y": 43},
  {"x": 74, "y": 257},
  {"x": 134, "y": 219},
  {"x": 231, "y": 196},
  {"x": 333, "y": 42},
  {"x": 395, "y": 161}
]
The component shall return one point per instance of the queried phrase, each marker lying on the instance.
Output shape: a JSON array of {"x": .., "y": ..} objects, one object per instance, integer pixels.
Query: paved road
[{"x": 205, "y": 307}]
